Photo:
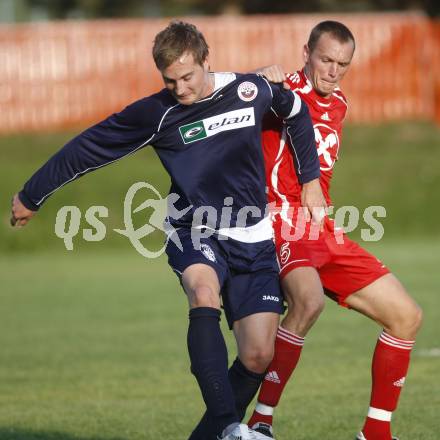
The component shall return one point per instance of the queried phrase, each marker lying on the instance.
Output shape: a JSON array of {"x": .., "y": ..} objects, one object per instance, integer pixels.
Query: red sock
[
  {"x": 288, "y": 348},
  {"x": 390, "y": 365}
]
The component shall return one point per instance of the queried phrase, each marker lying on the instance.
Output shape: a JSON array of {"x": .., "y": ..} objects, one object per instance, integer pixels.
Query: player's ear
[
  {"x": 306, "y": 53},
  {"x": 206, "y": 64}
]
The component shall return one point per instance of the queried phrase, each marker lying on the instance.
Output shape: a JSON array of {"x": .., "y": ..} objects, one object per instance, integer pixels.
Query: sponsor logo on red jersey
[{"x": 327, "y": 141}]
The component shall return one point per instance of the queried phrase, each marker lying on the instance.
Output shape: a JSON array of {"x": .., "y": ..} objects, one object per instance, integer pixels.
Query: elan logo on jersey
[{"x": 216, "y": 124}]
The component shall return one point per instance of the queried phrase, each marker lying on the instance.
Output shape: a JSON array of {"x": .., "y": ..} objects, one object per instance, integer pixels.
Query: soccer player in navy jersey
[{"x": 206, "y": 130}]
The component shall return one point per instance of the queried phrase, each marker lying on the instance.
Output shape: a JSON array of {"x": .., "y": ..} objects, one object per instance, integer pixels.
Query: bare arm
[
  {"x": 274, "y": 73},
  {"x": 314, "y": 202}
]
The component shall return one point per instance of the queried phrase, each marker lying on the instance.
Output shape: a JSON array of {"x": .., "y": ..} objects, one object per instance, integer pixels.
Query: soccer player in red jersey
[{"x": 313, "y": 262}]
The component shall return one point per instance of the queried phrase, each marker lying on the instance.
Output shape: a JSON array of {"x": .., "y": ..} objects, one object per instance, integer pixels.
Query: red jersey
[{"x": 327, "y": 116}]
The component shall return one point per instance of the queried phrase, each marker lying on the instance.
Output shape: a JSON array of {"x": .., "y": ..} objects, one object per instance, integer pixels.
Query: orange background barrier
[{"x": 58, "y": 75}]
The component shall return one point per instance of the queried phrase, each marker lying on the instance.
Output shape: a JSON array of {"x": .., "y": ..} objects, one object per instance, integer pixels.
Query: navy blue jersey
[{"x": 211, "y": 149}]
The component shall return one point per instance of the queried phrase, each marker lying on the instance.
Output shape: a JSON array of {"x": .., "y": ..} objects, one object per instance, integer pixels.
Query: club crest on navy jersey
[{"x": 247, "y": 91}]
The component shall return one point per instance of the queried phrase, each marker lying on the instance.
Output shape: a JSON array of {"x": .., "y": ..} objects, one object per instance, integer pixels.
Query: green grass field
[
  {"x": 93, "y": 341},
  {"x": 93, "y": 347}
]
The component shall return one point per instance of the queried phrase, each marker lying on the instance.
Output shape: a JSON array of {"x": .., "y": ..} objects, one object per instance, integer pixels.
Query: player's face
[
  {"x": 328, "y": 63},
  {"x": 187, "y": 80}
]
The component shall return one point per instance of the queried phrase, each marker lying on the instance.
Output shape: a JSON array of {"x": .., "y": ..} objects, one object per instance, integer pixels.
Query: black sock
[
  {"x": 209, "y": 364},
  {"x": 245, "y": 384}
]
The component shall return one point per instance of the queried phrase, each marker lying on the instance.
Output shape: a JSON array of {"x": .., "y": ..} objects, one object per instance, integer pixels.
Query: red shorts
[{"x": 343, "y": 266}]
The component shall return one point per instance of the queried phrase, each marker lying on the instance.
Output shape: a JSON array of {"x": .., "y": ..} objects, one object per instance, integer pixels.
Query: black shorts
[{"x": 247, "y": 272}]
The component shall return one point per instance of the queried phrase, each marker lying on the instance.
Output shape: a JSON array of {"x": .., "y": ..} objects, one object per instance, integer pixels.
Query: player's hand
[
  {"x": 313, "y": 201},
  {"x": 274, "y": 73},
  {"x": 20, "y": 215}
]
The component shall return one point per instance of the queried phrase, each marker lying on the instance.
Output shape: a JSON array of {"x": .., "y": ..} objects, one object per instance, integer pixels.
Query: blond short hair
[{"x": 177, "y": 38}]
